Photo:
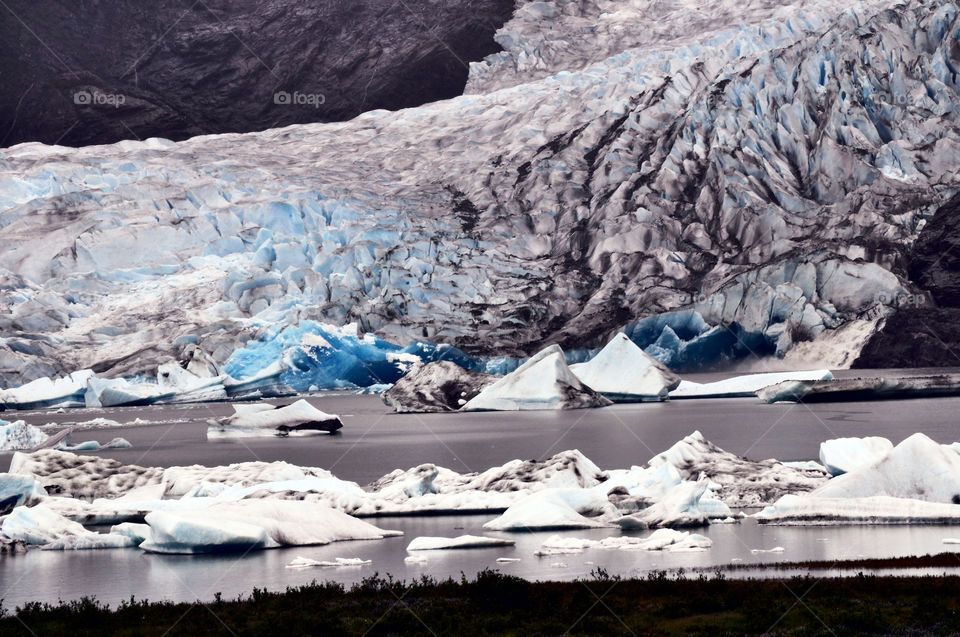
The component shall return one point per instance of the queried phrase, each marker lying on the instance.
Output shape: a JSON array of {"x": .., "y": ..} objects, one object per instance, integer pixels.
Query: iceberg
[
  {"x": 298, "y": 416},
  {"x": 19, "y": 435},
  {"x": 623, "y": 372},
  {"x": 856, "y": 389},
  {"x": 551, "y": 509},
  {"x": 743, "y": 386},
  {"x": 679, "y": 507},
  {"x": 660, "y": 540},
  {"x": 425, "y": 543},
  {"x": 843, "y": 455},
  {"x": 739, "y": 482},
  {"x": 46, "y": 393},
  {"x": 543, "y": 382},
  {"x": 813, "y": 510},
  {"x": 435, "y": 387},
  {"x": 253, "y": 524},
  {"x": 339, "y": 562},
  {"x": 918, "y": 468},
  {"x": 40, "y": 526},
  {"x": 17, "y": 490}
]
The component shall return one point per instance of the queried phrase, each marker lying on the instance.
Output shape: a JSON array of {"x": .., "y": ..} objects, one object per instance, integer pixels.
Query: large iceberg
[
  {"x": 856, "y": 389},
  {"x": 623, "y": 372},
  {"x": 41, "y": 393},
  {"x": 813, "y": 509},
  {"x": 543, "y": 382},
  {"x": 743, "y": 386}
]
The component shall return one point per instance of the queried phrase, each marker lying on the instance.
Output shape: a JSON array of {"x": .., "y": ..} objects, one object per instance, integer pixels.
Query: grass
[{"x": 497, "y": 604}]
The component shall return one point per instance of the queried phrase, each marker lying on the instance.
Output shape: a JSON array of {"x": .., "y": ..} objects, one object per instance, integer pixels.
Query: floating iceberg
[
  {"x": 556, "y": 509},
  {"x": 19, "y": 435},
  {"x": 679, "y": 507},
  {"x": 813, "y": 509},
  {"x": 253, "y": 524},
  {"x": 338, "y": 562},
  {"x": 543, "y": 382},
  {"x": 917, "y": 468},
  {"x": 623, "y": 372},
  {"x": 40, "y": 526},
  {"x": 856, "y": 389},
  {"x": 45, "y": 393},
  {"x": 743, "y": 386},
  {"x": 16, "y": 490},
  {"x": 740, "y": 482},
  {"x": 436, "y": 387},
  {"x": 660, "y": 540},
  {"x": 843, "y": 455},
  {"x": 461, "y": 542},
  {"x": 299, "y": 416}
]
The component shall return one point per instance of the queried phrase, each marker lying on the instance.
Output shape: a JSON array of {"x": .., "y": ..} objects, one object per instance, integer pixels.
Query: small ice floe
[
  {"x": 543, "y": 382},
  {"x": 623, "y": 372},
  {"x": 951, "y": 540},
  {"x": 299, "y": 416},
  {"x": 507, "y": 560},
  {"x": 338, "y": 562},
  {"x": 417, "y": 560},
  {"x": 425, "y": 543},
  {"x": 558, "y": 565},
  {"x": 776, "y": 549},
  {"x": 660, "y": 540},
  {"x": 93, "y": 445}
]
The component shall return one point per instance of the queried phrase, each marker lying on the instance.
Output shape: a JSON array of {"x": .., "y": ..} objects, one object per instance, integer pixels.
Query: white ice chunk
[
  {"x": 811, "y": 509},
  {"x": 556, "y": 509},
  {"x": 843, "y": 455},
  {"x": 742, "y": 386},
  {"x": 543, "y": 382},
  {"x": 338, "y": 562},
  {"x": 19, "y": 435},
  {"x": 623, "y": 372},
  {"x": 300, "y": 414},
  {"x": 425, "y": 543}
]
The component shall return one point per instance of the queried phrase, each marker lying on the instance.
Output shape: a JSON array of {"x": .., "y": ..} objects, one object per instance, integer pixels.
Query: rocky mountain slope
[
  {"x": 768, "y": 170},
  {"x": 97, "y": 72}
]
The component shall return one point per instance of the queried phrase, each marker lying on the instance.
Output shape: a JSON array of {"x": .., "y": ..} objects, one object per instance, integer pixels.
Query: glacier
[{"x": 763, "y": 167}]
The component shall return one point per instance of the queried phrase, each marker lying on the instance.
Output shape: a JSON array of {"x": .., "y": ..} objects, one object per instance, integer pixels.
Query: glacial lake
[{"x": 374, "y": 442}]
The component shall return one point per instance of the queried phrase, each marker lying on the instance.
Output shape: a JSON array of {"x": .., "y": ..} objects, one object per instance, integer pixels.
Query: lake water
[{"x": 374, "y": 442}]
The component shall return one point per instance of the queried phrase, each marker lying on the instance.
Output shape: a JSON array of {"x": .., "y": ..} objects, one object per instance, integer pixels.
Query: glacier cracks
[{"x": 767, "y": 168}]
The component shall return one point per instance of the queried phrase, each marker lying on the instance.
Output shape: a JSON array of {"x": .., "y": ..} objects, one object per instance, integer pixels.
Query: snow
[
  {"x": 297, "y": 416},
  {"x": 917, "y": 468},
  {"x": 623, "y": 372},
  {"x": 253, "y": 524},
  {"x": 742, "y": 386},
  {"x": 843, "y": 455},
  {"x": 660, "y": 540},
  {"x": 20, "y": 435},
  {"x": 813, "y": 509},
  {"x": 543, "y": 382},
  {"x": 424, "y": 543}
]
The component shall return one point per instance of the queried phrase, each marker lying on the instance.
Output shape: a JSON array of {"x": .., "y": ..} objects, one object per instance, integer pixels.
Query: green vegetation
[{"x": 496, "y": 604}]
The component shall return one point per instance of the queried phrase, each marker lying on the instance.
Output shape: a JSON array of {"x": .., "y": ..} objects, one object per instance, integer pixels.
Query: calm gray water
[{"x": 374, "y": 442}]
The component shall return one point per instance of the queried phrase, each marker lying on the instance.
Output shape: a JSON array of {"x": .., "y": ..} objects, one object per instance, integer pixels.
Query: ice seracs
[
  {"x": 842, "y": 455},
  {"x": 543, "y": 382},
  {"x": 435, "y": 387},
  {"x": 623, "y": 372}
]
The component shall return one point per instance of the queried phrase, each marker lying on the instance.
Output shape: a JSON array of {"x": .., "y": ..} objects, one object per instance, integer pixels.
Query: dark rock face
[
  {"x": 919, "y": 336},
  {"x": 436, "y": 387},
  {"x": 95, "y": 72}
]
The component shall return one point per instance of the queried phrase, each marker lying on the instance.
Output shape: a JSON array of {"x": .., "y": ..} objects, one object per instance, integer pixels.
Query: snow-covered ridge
[{"x": 765, "y": 167}]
